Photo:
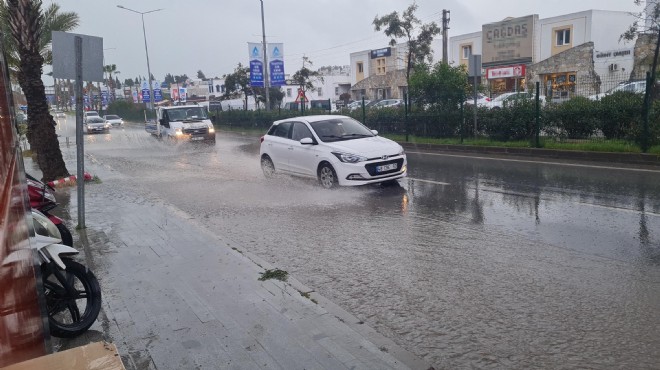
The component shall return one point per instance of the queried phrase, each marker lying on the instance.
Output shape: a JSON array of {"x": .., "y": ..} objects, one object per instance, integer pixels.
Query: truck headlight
[{"x": 178, "y": 132}]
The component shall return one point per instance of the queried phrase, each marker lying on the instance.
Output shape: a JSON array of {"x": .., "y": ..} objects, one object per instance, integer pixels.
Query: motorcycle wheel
[
  {"x": 73, "y": 298},
  {"x": 67, "y": 239}
]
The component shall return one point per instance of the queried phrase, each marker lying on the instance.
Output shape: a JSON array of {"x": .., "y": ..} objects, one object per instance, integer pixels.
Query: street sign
[
  {"x": 301, "y": 96},
  {"x": 64, "y": 65}
]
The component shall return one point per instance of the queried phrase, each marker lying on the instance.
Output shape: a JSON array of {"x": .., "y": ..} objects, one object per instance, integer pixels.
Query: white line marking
[
  {"x": 430, "y": 181},
  {"x": 540, "y": 162},
  {"x": 628, "y": 210}
]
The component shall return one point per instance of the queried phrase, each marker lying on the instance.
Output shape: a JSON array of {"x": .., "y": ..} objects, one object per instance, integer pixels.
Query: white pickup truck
[{"x": 183, "y": 123}]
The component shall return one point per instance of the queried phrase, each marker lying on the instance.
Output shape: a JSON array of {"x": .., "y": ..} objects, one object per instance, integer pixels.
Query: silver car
[
  {"x": 95, "y": 125},
  {"x": 114, "y": 120}
]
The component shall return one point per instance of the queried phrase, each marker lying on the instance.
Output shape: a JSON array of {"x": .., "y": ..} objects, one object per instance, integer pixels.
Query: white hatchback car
[{"x": 336, "y": 150}]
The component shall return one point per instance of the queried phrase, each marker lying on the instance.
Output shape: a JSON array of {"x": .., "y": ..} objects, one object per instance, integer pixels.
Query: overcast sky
[{"x": 212, "y": 35}]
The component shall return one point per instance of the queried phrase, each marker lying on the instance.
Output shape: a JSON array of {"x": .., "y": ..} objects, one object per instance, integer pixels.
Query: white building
[{"x": 560, "y": 52}]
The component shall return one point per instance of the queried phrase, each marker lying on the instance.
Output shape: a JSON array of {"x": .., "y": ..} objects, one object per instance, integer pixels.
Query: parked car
[
  {"x": 389, "y": 103},
  {"x": 482, "y": 100},
  {"x": 89, "y": 114},
  {"x": 508, "y": 99},
  {"x": 96, "y": 125},
  {"x": 335, "y": 150},
  {"x": 357, "y": 104},
  {"x": 638, "y": 87},
  {"x": 114, "y": 120}
]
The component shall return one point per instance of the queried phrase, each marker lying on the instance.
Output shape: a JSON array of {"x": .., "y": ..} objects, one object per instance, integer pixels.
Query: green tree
[
  {"x": 408, "y": 27},
  {"x": 305, "y": 77},
  {"x": 276, "y": 96},
  {"x": 650, "y": 26},
  {"x": 30, "y": 30},
  {"x": 440, "y": 86},
  {"x": 201, "y": 75},
  {"x": 129, "y": 82},
  {"x": 110, "y": 69},
  {"x": 169, "y": 79},
  {"x": 237, "y": 84}
]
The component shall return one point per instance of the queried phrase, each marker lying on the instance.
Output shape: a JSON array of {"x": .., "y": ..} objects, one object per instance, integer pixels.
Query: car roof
[{"x": 311, "y": 119}]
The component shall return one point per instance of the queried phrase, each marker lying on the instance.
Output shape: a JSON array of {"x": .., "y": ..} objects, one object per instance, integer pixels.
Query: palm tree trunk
[{"x": 41, "y": 125}]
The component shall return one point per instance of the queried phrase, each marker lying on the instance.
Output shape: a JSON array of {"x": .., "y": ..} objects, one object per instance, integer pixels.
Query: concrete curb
[{"x": 609, "y": 157}]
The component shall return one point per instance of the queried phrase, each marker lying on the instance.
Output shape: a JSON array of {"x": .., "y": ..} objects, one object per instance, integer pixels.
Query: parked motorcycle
[
  {"x": 43, "y": 200},
  {"x": 72, "y": 292}
]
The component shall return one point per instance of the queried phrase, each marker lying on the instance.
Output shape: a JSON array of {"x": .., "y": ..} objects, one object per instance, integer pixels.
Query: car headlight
[
  {"x": 107, "y": 125},
  {"x": 211, "y": 130},
  {"x": 349, "y": 158},
  {"x": 178, "y": 132}
]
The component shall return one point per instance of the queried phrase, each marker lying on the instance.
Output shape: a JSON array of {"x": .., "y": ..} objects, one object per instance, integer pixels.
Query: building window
[
  {"x": 217, "y": 88},
  {"x": 336, "y": 91},
  {"x": 467, "y": 51},
  {"x": 320, "y": 91},
  {"x": 360, "y": 67},
  {"x": 380, "y": 66},
  {"x": 563, "y": 37},
  {"x": 288, "y": 93}
]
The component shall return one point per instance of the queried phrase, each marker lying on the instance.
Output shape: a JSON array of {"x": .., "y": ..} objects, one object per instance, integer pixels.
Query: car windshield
[
  {"x": 95, "y": 120},
  {"x": 186, "y": 114},
  {"x": 111, "y": 117},
  {"x": 338, "y": 129},
  {"x": 90, "y": 114}
]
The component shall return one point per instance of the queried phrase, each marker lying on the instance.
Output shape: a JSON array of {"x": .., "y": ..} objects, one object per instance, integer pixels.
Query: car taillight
[
  {"x": 487, "y": 99},
  {"x": 261, "y": 140}
]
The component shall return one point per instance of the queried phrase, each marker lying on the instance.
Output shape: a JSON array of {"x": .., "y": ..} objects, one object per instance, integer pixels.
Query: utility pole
[
  {"x": 445, "y": 28},
  {"x": 263, "y": 31}
]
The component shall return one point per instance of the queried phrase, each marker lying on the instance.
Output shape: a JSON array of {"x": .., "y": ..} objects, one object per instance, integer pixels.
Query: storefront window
[{"x": 559, "y": 86}]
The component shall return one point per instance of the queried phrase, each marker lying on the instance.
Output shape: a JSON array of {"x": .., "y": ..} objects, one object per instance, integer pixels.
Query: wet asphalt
[{"x": 469, "y": 262}]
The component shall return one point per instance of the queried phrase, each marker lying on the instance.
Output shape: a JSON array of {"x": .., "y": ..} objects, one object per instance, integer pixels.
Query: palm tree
[
  {"x": 31, "y": 35},
  {"x": 110, "y": 69}
]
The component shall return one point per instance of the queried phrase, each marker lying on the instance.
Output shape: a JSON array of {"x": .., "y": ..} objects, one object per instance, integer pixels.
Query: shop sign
[
  {"x": 517, "y": 71},
  {"x": 613, "y": 53},
  {"x": 508, "y": 42},
  {"x": 380, "y": 53}
]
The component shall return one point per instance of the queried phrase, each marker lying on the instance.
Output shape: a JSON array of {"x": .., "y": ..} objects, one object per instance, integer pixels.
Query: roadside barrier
[{"x": 71, "y": 180}]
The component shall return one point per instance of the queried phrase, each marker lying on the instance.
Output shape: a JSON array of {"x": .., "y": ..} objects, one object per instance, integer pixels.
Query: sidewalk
[{"x": 176, "y": 296}]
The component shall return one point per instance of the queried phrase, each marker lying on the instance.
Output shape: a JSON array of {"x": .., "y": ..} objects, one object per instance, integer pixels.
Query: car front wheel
[{"x": 327, "y": 176}]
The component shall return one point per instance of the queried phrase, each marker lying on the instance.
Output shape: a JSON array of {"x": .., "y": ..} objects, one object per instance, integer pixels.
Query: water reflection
[{"x": 548, "y": 202}]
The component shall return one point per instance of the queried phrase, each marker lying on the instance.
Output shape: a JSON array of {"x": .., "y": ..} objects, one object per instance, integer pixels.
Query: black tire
[
  {"x": 267, "y": 167},
  {"x": 67, "y": 239},
  {"x": 64, "y": 304},
  {"x": 327, "y": 176}
]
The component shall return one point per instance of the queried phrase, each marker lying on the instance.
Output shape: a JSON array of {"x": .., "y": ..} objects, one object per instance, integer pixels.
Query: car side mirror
[
  {"x": 375, "y": 132},
  {"x": 307, "y": 141}
]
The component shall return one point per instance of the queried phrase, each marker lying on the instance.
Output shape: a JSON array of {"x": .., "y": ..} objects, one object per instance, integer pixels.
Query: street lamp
[
  {"x": 146, "y": 51},
  {"x": 263, "y": 32}
]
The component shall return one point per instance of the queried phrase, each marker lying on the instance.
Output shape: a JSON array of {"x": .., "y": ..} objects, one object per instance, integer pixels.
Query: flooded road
[{"x": 469, "y": 263}]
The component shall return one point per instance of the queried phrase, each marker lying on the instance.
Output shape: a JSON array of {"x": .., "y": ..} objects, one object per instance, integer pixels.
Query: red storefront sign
[{"x": 515, "y": 71}]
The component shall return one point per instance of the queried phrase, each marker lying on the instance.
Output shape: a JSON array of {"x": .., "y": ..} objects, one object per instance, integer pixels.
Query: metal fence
[{"x": 596, "y": 110}]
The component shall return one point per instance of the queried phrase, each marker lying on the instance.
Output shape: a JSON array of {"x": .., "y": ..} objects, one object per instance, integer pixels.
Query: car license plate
[
  {"x": 386, "y": 167},
  {"x": 198, "y": 138}
]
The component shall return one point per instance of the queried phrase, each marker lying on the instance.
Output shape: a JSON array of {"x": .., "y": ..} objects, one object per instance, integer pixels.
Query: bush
[
  {"x": 576, "y": 118},
  {"x": 619, "y": 114},
  {"x": 127, "y": 110},
  {"x": 512, "y": 123}
]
